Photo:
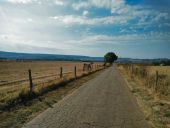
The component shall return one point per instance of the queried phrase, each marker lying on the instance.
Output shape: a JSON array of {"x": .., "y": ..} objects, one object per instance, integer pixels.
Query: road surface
[{"x": 103, "y": 102}]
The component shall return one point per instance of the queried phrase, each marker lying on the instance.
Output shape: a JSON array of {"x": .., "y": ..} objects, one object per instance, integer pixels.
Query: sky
[{"x": 130, "y": 28}]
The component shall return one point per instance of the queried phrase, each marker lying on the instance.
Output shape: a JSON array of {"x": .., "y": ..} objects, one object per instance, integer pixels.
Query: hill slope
[{"x": 30, "y": 56}]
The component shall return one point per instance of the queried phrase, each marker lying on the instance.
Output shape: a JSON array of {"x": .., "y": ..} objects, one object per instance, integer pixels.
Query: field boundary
[
  {"x": 34, "y": 78},
  {"x": 150, "y": 99},
  {"x": 25, "y": 96},
  {"x": 24, "y": 112}
]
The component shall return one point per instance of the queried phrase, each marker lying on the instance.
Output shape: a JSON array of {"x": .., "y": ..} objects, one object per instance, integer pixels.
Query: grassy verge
[
  {"x": 156, "y": 112},
  {"x": 19, "y": 114}
]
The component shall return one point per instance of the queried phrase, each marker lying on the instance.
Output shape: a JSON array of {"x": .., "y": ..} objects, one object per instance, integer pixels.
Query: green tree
[{"x": 110, "y": 57}]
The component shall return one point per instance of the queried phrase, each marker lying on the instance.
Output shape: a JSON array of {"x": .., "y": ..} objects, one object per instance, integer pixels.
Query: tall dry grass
[{"x": 155, "y": 78}]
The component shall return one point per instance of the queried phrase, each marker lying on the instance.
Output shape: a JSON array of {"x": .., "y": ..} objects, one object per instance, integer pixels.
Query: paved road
[{"x": 103, "y": 102}]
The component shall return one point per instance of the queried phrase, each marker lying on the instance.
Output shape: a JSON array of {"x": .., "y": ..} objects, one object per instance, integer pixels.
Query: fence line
[
  {"x": 34, "y": 78},
  {"x": 61, "y": 72},
  {"x": 34, "y": 81},
  {"x": 30, "y": 80},
  {"x": 61, "y": 75},
  {"x": 75, "y": 72},
  {"x": 157, "y": 82}
]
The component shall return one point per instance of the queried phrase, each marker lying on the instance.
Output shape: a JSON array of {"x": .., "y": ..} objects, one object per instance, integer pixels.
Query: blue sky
[{"x": 130, "y": 28}]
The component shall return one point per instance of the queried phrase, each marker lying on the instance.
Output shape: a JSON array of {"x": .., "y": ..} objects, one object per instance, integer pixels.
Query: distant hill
[
  {"x": 51, "y": 57},
  {"x": 156, "y": 62},
  {"x": 57, "y": 57}
]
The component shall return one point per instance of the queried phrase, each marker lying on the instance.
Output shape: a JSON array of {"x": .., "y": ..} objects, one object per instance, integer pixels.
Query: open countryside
[{"x": 84, "y": 64}]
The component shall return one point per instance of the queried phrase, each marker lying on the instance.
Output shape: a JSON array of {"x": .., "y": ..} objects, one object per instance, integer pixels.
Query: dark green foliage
[
  {"x": 110, "y": 57},
  {"x": 163, "y": 63}
]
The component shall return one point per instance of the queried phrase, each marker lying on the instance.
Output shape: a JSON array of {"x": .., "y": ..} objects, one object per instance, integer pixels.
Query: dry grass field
[
  {"x": 153, "y": 97},
  {"x": 14, "y": 77},
  {"x": 161, "y": 69},
  {"x": 147, "y": 75},
  {"x": 13, "y": 71},
  {"x": 22, "y": 113},
  {"x": 163, "y": 79}
]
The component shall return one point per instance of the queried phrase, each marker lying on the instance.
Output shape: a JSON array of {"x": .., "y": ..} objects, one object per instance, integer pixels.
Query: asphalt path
[{"x": 103, "y": 102}]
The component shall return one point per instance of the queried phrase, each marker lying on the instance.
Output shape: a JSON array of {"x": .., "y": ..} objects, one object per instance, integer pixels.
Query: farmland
[
  {"x": 151, "y": 87},
  {"x": 161, "y": 69},
  {"x": 13, "y": 71},
  {"x": 14, "y": 76}
]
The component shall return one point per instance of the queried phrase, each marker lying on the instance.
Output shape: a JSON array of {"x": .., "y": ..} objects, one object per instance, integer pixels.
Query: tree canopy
[{"x": 110, "y": 57}]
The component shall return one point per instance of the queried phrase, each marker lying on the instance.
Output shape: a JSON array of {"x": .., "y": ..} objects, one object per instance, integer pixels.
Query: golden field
[
  {"x": 152, "y": 91},
  {"x": 161, "y": 69},
  {"x": 14, "y": 76},
  {"x": 13, "y": 71},
  {"x": 147, "y": 75}
]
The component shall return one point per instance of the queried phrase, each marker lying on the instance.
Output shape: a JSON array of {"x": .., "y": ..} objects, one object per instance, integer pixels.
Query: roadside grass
[
  {"x": 21, "y": 95},
  {"x": 30, "y": 105},
  {"x": 155, "y": 105}
]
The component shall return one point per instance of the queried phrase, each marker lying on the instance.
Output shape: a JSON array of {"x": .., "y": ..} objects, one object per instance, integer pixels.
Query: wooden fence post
[
  {"x": 136, "y": 71},
  {"x": 142, "y": 73},
  {"x": 61, "y": 72},
  {"x": 132, "y": 68},
  {"x": 30, "y": 80},
  {"x": 75, "y": 72},
  {"x": 156, "y": 81}
]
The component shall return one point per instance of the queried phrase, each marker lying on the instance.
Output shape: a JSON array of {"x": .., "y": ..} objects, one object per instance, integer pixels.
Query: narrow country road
[{"x": 103, "y": 102}]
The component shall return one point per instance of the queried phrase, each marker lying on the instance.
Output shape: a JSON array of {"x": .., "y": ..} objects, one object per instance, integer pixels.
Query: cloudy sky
[{"x": 130, "y": 28}]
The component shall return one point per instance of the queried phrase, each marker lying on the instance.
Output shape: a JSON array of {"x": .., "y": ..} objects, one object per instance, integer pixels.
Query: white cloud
[
  {"x": 113, "y": 5},
  {"x": 120, "y": 7},
  {"x": 85, "y": 13},
  {"x": 90, "y": 3},
  {"x": 30, "y": 20},
  {"x": 161, "y": 16},
  {"x": 79, "y": 5},
  {"x": 100, "y": 3},
  {"x": 56, "y": 2},
  {"x": 59, "y": 2},
  {"x": 24, "y": 25},
  {"x": 20, "y": 1},
  {"x": 73, "y": 19},
  {"x": 122, "y": 39}
]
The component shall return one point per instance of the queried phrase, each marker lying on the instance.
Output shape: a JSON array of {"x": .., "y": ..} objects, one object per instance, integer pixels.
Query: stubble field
[{"x": 14, "y": 80}]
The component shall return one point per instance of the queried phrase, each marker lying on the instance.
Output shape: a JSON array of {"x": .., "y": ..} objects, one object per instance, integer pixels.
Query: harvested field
[
  {"x": 22, "y": 113},
  {"x": 14, "y": 76},
  {"x": 13, "y": 71}
]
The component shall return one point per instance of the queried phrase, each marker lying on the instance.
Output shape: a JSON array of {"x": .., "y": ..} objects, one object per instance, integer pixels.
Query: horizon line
[{"x": 82, "y": 55}]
